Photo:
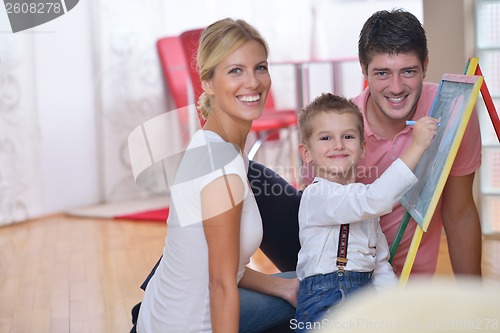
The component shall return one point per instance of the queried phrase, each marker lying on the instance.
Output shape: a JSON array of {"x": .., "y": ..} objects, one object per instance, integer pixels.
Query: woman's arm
[
  {"x": 271, "y": 285},
  {"x": 222, "y": 202}
]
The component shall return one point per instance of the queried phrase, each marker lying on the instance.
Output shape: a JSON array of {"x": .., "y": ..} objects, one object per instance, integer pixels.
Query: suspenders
[{"x": 342, "y": 250}]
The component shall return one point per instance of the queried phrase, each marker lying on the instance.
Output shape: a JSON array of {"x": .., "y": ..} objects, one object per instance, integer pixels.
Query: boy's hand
[{"x": 423, "y": 131}]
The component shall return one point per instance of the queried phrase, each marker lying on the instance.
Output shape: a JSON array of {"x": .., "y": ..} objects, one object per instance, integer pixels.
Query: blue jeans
[
  {"x": 261, "y": 313},
  {"x": 319, "y": 293}
]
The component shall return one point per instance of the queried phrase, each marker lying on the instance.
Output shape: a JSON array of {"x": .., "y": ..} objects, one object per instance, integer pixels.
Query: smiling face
[
  {"x": 395, "y": 82},
  {"x": 334, "y": 147},
  {"x": 240, "y": 84}
]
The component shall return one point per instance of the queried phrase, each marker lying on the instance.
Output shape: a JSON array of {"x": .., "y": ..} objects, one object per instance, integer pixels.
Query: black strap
[{"x": 342, "y": 250}]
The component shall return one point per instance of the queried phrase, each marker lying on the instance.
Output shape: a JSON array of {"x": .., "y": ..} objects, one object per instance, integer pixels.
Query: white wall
[{"x": 450, "y": 44}]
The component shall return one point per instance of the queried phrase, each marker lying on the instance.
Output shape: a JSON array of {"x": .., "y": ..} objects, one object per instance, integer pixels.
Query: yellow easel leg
[
  {"x": 471, "y": 66},
  {"x": 410, "y": 257}
]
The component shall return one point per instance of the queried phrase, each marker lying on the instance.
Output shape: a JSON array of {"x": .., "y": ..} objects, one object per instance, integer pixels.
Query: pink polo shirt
[{"x": 381, "y": 152}]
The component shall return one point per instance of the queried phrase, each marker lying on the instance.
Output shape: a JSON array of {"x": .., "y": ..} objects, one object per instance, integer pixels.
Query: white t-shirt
[
  {"x": 325, "y": 205},
  {"x": 177, "y": 296}
]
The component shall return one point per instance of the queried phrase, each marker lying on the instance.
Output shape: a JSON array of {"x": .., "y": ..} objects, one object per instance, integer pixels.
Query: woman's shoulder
[
  {"x": 202, "y": 137},
  {"x": 208, "y": 153}
]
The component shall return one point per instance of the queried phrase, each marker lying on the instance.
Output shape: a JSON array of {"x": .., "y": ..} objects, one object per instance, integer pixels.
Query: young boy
[{"x": 342, "y": 245}]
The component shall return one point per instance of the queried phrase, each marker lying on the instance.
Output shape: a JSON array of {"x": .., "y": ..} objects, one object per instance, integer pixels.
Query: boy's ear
[
  {"x": 304, "y": 153},
  {"x": 207, "y": 87}
]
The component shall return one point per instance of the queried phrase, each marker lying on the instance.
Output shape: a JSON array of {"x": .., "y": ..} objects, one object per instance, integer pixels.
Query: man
[{"x": 394, "y": 57}]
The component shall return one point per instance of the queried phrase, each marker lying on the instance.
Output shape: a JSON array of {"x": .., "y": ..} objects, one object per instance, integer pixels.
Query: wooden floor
[{"x": 66, "y": 274}]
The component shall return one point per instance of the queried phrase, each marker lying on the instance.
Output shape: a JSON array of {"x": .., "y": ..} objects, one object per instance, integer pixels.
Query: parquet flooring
[{"x": 65, "y": 274}]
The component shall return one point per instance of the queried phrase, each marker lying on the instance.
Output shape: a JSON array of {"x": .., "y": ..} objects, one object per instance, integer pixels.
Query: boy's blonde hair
[{"x": 327, "y": 102}]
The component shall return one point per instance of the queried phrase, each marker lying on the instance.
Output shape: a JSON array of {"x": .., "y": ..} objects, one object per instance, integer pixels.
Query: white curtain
[
  {"x": 20, "y": 181},
  {"x": 129, "y": 84}
]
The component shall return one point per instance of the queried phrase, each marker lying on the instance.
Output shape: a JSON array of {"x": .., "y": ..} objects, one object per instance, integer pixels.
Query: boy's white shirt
[{"x": 325, "y": 205}]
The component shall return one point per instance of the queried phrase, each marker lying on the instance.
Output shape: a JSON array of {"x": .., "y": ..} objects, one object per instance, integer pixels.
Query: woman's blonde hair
[{"x": 217, "y": 41}]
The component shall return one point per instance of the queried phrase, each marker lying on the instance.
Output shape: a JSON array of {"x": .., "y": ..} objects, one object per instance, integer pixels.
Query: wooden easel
[{"x": 472, "y": 68}]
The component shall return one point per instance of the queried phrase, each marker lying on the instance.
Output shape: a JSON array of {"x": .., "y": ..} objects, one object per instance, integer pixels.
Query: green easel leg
[{"x": 399, "y": 235}]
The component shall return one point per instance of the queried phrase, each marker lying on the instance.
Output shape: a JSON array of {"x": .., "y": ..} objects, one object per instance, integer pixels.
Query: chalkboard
[{"x": 453, "y": 104}]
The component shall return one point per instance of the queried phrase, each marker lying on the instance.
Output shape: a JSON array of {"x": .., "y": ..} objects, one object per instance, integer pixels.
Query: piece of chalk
[{"x": 412, "y": 123}]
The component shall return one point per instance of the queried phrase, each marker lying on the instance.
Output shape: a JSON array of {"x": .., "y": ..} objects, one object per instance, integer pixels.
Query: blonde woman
[{"x": 214, "y": 225}]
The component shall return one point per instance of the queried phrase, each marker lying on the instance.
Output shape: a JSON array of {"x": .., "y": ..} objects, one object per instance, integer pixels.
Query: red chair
[
  {"x": 267, "y": 127},
  {"x": 174, "y": 69},
  {"x": 178, "y": 83}
]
